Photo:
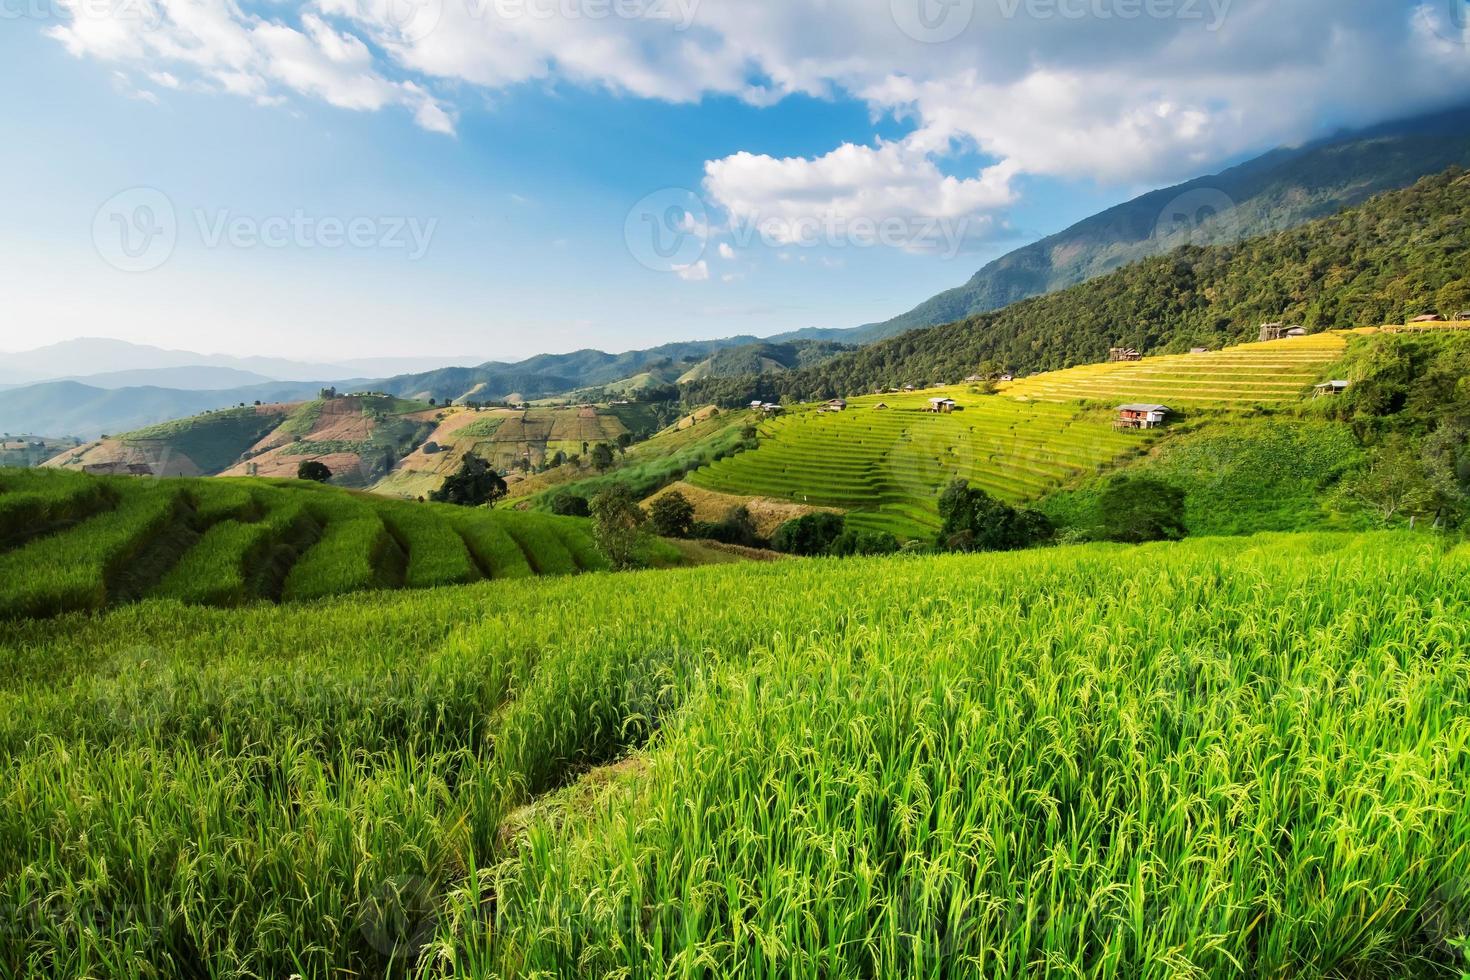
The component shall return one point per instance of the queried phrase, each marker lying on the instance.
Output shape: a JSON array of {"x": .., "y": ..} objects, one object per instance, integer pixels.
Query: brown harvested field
[
  {"x": 768, "y": 513},
  {"x": 279, "y": 464},
  {"x": 109, "y": 455}
]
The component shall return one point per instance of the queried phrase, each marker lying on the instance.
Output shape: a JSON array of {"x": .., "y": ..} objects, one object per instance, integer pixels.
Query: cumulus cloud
[
  {"x": 694, "y": 272},
  {"x": 892, "y": 194},
  {"x": 1118, "y": 91},
  {"x": 243, "y": 54}
]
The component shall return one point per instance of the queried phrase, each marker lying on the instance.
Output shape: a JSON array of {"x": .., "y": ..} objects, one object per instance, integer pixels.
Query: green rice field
[
  {"x": 886, "y": 466},
  {"x": 1213, "y": 759},
  {"x": 75, "y": 542}
]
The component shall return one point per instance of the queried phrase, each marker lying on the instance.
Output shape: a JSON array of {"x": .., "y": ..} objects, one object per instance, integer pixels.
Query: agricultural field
[
  {"x": 886, "y": 466},
  {"x": 1274, "y": 373},
  {"x": 693, "y": 441},
  {"x": 501, "y": 436},
  {"x": 70, "y": 542},
  {"x": 1219, "y": 758},
  {"x": 27, "y": 450}
]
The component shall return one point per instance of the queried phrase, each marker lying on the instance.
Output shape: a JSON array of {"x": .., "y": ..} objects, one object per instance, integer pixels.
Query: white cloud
[
  {"x": 726, "y": 252},
  {"x": 892, "y": 194},
  {"x": 1117, "y": 91},
  {"x": 242, "y": 54},
  {"x": 695, "y": 272}
]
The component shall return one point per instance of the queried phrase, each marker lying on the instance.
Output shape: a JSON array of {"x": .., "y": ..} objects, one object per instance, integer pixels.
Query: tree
[
  {"x": 314, "y": 470},
  {"x": 617, "y": 526},
  {"x": 1396, "y": 485},
  {"x": 1136, "y": 509},
  {"x": 976, "y": 521},
  {"x": 568, "y": 504},
  {"x": 857, "y": 542},
  {"x": 560, "y": 458},
  {"x": 602, "y": 456},
  {"x": 809, "y": 534},
  {"x": 474, "y": 485},
  {"x": 625, "y": 439},
  {"x": 672, "y": 515}
]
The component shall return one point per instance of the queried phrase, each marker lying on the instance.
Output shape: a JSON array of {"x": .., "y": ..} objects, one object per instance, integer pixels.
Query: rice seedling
[{"x": 1218, "y": 758}]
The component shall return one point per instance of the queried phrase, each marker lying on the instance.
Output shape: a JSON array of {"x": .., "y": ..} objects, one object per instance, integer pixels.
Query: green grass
[
  {"x": 81, "y": 542},
  {"x": 1226, "y": 757},
  {"x": 1240, "y": 475},
  {"x": 887, "y": 466}
]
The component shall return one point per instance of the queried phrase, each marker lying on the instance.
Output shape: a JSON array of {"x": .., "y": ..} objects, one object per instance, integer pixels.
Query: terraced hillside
[
  {"x": 1272, "y": 373},
  {"x": 501, "y": 436},
  {"x": 73, "y": 542},
  {"x": 886, "y": 465}
]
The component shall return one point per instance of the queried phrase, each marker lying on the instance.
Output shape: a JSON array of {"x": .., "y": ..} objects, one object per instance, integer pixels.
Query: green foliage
[
  {"x": 567, "y": 504},
  {"x": 855, "y": 541},
  {"x": 314, "y": 471},
  {"x": 973, "y": 520},
  {"x": 474, "y": 485},
  {"x": 1239, "y": 475},
  {"x": 617, "y": 527},
  {"x": 736, "y": 527},
  {"x": 1136, "y": 509},
  {"x": 671, "y": 515},
  {"x": 1367, "y": 266},
  {"x": 1216, "y": 758},
  {"x": 809, "y": 534},
  {"x": 602, "y": 456}
]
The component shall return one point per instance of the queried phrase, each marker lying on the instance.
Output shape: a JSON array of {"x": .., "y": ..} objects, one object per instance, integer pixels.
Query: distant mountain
[
  {"x": 75, "y": 409},
  {"x": 763, "y": 359},
  {"x": 1280, "y": 190},
  {"x": 556, "y": 374},
  {"x": 196, "y": 377},
  {"x": 1401, "y": 254}
]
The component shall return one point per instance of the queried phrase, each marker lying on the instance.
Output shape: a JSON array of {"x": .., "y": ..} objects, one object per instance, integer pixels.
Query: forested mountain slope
[{"x": 1403, "y": 253}]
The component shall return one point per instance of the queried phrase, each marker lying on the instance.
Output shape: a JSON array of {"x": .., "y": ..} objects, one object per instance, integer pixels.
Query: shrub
[
  {"x": 314, "y": 470},
  {"x": 858, "y": 542},
  {"x": 809, "y": 534},
  {"x": 1136, "y": 509},
  {"x": 567, "y": 504},
  {"x": 976, "y": 521},
  {"x": 475, "y": 485},
  {"x": 671, "y": 515},
  {"x": 617, "y": 526}
]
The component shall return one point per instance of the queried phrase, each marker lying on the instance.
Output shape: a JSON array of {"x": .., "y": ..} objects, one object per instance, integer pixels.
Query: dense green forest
[{"x": 1398, "y": 255}]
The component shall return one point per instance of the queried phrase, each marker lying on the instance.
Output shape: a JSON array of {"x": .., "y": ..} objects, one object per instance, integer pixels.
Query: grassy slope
[
  {"x": 71, "y": 542},
  {"x": 1052, "y": 431},
  {"x": 1221, "y": 758},
  {"x": 647, "y": 466}
]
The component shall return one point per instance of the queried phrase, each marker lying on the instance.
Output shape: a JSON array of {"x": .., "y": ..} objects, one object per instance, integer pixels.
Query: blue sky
[{"x": 489, "y": 166}]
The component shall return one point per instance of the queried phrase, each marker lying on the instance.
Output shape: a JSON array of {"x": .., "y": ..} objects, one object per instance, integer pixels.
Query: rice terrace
[{"x": 904, "y": 490}]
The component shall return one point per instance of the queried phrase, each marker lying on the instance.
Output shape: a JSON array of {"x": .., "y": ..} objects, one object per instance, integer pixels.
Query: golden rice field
[
  {"x": 1272, "y": 373},
  {"x": 1214, "y": 759}
]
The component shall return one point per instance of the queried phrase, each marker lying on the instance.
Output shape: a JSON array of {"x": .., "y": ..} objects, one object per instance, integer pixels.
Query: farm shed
[
  {"x": 1117, "y": 354},
  {"x": 837, "y": 405},
  {"x": 1327, "y": 388},
  {"x": 1428, "y": 318},
  {"x": 1141, "y": 416},
  {"x": 942, "y": 406}
]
